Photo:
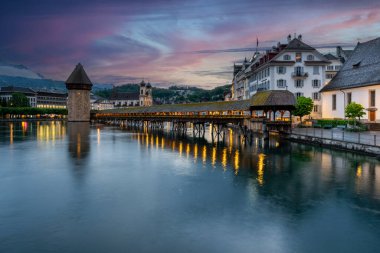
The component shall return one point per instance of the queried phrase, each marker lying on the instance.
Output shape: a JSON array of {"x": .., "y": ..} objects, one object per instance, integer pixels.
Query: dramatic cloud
[{"x": 170, "y": 41}]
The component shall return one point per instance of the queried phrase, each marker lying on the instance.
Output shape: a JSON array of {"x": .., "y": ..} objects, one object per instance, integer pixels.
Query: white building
[
  {"x": 295, "y": 66},
  {"x": 333, "y": 68},
  {"x": 6, "y": 94},
  {"x": 357, "y": 81}
]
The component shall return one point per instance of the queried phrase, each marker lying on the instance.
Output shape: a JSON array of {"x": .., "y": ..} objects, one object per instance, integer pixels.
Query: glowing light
[
  {"x": 195, "y": 152},
  {"x": 187, "y": 150},
  {"x": 224, "y": 159},
  {"x": 236, "y": 162},
  {"x": 78, "y": 145},
  {"x": 157, "y": 142},
  {"x": 359, "y": 171},
  {"x": 180, "y": 148},
  {"x": 260, "y": 169},
  {"x": 162, "y": 142},
  {"x": 204, "y": 154},
  {"x": 11, "y": 133},
  {"x": 98, "y": 135},
  {"x": 213, "y": 156},
  {"x": 173, "y": 145}
]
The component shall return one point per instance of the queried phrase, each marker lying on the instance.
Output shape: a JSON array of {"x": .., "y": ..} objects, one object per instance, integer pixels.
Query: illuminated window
[{"x": 298, "y": 57}]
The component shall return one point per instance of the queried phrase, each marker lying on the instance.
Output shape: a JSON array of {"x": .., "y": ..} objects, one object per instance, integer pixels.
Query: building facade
[
  {"x": 358, "y": 81},
  {"x": 127, "y": 99},
  {"x": 6, "y": 94},
  {"x": 51, "y": 99},
  {"x": 294, "y": 66}
]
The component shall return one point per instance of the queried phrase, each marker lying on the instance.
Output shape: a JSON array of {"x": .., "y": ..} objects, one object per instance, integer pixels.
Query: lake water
[{"x": 81, "y": 188}]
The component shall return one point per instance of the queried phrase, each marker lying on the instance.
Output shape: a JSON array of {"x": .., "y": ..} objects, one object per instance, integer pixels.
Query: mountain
[
  {"x": 18, "y": 70},
  {"x": 22, "y": 76}
]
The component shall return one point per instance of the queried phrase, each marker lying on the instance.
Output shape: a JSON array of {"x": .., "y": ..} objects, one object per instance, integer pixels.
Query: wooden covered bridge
[{"x": 265, "y": 111}]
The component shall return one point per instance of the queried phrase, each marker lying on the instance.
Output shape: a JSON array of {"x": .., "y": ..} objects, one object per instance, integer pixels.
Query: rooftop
[
  {"x": 362, "y": 68},
  {"x": 78, "y": 76}
]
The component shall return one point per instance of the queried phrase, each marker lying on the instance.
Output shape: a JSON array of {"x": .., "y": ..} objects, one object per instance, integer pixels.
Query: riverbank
[{"x": 367, "y": 143}]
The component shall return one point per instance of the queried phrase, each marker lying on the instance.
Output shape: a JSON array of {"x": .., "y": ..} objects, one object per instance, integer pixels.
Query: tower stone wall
[{"x": 78, "y": 104}]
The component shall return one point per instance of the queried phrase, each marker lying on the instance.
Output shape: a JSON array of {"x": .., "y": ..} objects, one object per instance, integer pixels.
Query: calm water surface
[{"x": 81, "y": 188}]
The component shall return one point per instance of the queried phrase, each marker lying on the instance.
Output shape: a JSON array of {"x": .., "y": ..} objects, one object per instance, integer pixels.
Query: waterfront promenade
[{"x": 367, "y": 142}]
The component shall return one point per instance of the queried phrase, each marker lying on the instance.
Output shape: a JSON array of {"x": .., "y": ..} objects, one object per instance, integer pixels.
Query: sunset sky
[{"x": 169, "y": 41}]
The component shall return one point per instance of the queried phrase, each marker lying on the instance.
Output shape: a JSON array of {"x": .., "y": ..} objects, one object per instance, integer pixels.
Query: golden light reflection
[
  {"x": 180, "y": 148},
  {"x": 162, "y": 142},
  {"x": 157, "y": 142},
  {"x": 204, "y": 154},
  {"x": 151, "y": 141},
  {"x": 195, "y": 151},
  {"x": 11, "y": 133},
  {"x": 359, "y": 171},
  {"x": 236, "y": 161},
  {"x": 187, "y": 150},
  {"x": 173, "y": 145},
  {"x": 24, "y": 126},
  {"x": 50, "y": 131},
  {"x": 78, "y": 145},
  {"x": 213, "y": 157},
  {"x": 98, "y": 135},
  {"x": 224, "y": 159},
  {"x": 260, "y": 169}
]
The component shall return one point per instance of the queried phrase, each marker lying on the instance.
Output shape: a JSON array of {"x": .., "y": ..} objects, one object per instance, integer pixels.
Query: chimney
[
  {"x": 300, "y": 37},
  {"x": 289, "y": 38}
]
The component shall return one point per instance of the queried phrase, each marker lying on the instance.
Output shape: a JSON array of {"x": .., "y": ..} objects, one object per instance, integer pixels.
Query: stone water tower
[{"x": 78, "y": 104}]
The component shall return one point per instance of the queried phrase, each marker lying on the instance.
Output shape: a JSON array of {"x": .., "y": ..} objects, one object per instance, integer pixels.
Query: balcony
[{"x": 300, "y": 75}]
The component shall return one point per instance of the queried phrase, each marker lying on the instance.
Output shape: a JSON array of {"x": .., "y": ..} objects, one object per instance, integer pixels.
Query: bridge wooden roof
[
  {"x": 241, "y": 105},
  {"x": 280, "y": 99}
]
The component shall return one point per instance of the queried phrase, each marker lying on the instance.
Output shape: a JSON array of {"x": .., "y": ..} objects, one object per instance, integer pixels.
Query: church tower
[
  {"x": 79, "y": 88},
  {"x": 145, "y": 94}
]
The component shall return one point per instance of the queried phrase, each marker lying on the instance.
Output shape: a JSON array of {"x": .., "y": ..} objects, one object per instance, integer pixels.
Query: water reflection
[
  {"x": 44, "y": 131},
  {"x": 297, "y": 174},
  {"x": 79, "y": 143}
]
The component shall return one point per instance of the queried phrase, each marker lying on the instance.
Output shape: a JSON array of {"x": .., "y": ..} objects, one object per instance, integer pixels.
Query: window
[
  {"x": 299, "y": 94},
  {"x": 349, "y": 97},
  {"x": 286, "y": 57},
  {"x": 310, "y": 57},
  {"x": 334, "y": 102},
  {"x": 298, "y": 57},
  {"x": 331, "y": 67},
  {"x": 316, "y": 96},
  {"x": 316, "y": 83},
  {"x": 372, "y": 98},
  {"x": 298, "y": 83},
  {"x": 329, "y": 76},
  {"x": 281, "y": 70},
  {"x": 281, "y": 83},
  {"x": 337, "y": 67},
  {"x": 316, "y": 108},
  {"x": 316, "y": 70},
  {"x": 298, "y": 70}
]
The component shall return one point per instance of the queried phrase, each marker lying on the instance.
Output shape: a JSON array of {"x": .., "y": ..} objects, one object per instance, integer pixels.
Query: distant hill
[
  {"x": 174, "y": 94},
  {"x": 42, "y": 83},
  {"x": 18, "y": 70}
]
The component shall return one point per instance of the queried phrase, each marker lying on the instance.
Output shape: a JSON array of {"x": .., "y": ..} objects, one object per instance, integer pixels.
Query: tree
[
  {"x": 19, "y": 100},
  {"x": 354, "y": 110},
  {"x": 303, "y": 107}
]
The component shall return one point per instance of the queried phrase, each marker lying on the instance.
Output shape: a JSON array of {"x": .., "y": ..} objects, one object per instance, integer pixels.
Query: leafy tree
[
  {"x": 353, "y": 111},
  {"x": 19, "y": 100},
  {"x": 303, "y": 107},
  {"x": 3, "y": 102}
]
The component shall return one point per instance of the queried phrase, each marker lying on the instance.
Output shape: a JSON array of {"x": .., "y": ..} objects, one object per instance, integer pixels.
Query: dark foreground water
[{"x": 76, "y": 188}]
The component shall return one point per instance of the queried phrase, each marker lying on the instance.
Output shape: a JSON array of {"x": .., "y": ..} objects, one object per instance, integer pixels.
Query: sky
[{"x": 170, "y": 41}]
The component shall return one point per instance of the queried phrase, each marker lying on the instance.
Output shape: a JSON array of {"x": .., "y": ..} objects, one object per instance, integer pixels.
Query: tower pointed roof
[{"x": 78, "y": 76}]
